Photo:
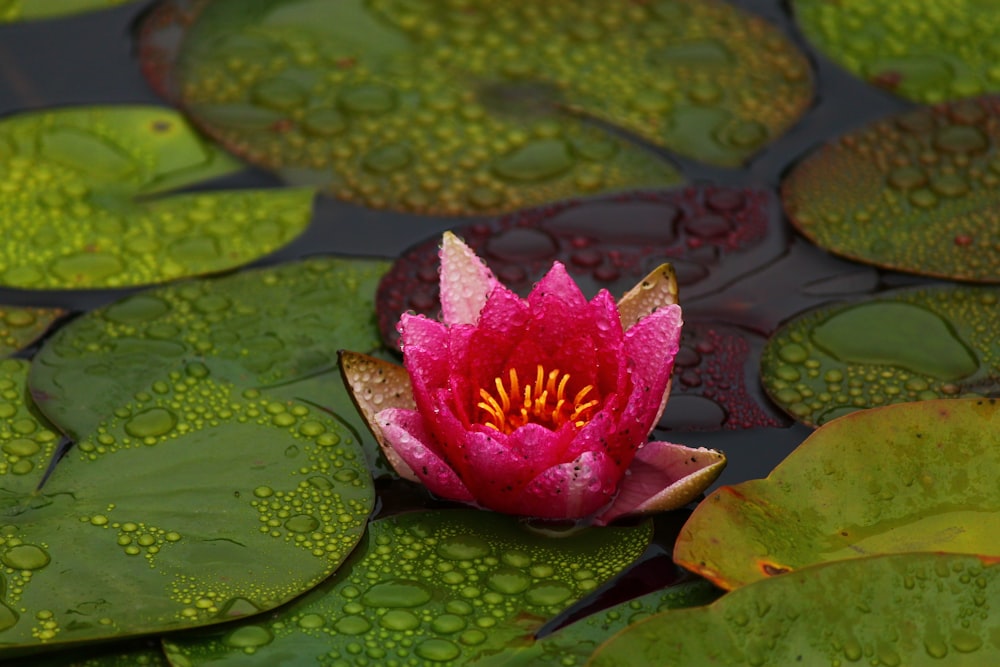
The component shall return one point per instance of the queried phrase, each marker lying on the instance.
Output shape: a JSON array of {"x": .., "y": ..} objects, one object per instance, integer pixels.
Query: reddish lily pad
[
  {"x": 21, "y": 326},
  {"x": 82, "y": 203},
  {"x": 914, "y": 192},
  {"x": 922, "y": 50},
  {"x": 911, "y": 477},
  {"x": 446, "y": 588},
  {"x": 478, "y": 107},
  {"x": 26, "y": 10},
  {"x": 920, "y": 610},
  {"x": 710, "y": 235},
  {"x": 916, "y": 344},
  {"x": 233, "y": 503}
]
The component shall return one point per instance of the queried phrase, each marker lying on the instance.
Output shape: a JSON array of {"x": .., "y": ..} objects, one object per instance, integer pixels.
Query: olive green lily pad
[
  {"x": 25, "y": 10},
  {"x": 919, "y": 610},
  {"x": 82, "y": 203},
  {"x": 274, "y": 329},
  {"x": 910, "y": 477},
  {"x": 20, "y": 326},
  {"x": 914, "y": 192},
  {"x": 477, "y": 107},
  {"x": 436, "y": 587},
  {"x": 916, "y": 344},
  {"x": 921, "y": 50},
  {"x": 194, "y": 503}
]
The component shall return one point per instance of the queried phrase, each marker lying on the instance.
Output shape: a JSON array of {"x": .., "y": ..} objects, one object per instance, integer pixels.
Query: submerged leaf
[{"x": 911, "y": 477}]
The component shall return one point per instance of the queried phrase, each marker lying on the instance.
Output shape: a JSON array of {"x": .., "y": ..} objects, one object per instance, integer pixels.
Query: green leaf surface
[
  {"x": 922, "y": 50},
  {"x": 480, "y": 107},
  {"x": 430, "y": 588},
  {"x": 136, "y": 653},
  {"x": 910, "y": 477},
  {"x": 82, "y": 203},
  {"x": 913, "y": 192},
  {"x": 20, "y": 326},
  {"x": 24, "y": 10},
  {"x": 932, "y": 342},
  {"x": 275, "y": 329},
  {"x": 919, "y": 610},
  {"x": 194, "y": 503}
]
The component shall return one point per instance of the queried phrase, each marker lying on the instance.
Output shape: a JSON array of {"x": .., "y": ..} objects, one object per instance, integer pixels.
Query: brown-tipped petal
[
  {"x": 375, "y": 385},
  {"x": 656, "y": 290},
  {"x": 664, "y": 476}
]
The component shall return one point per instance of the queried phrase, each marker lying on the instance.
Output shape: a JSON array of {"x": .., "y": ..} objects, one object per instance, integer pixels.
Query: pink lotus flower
[{"x": 540, "y": 406}]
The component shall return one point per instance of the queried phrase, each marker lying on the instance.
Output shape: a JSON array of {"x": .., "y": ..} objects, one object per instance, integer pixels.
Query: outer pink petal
[
  {"x": 557, "y": 283},
  {"x": 405, "y": 433},
  {"x": 570, "y": 490},
  {"x": 664, "y": 476},
  {"x": 651, "y": 346},
  {"x": 465, "y": 282}
]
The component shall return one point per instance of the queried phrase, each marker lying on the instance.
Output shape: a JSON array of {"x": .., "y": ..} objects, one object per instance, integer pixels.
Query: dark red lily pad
[
  {"x": 915, "y": 192},
  {"x": 911, "y": 345}
]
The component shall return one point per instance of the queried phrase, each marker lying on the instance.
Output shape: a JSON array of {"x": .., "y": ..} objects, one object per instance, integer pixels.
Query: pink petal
[
  {"x": 651, "y": 346},
  {"x": 407, "y": 437},
  {"x": 570, "y": 490},
  {"x": 557, "y": 283},
  {"x": 664, "y": 476},
  {"x": 465, "y": 282}
]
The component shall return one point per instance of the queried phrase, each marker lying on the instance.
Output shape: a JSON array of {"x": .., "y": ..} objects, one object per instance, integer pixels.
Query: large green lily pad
[
  {"x": 923, "y": 50},
  {"x": 911, "y": 477},
  {"x": 443, "y": 588},
  {"x": 917, "y": 344},
  {"x": 24, "y": 10},
  {"x": 913, "y": 192},
  {"x": 920, "y": 610},
  {"x": 194, "y": 503},
  {"x": 477, "y": 106},
  {"x": 82, "y": 203},
  {"x": 20, "y": 326}
]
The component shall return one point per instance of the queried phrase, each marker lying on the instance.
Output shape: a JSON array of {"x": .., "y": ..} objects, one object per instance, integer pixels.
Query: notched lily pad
[
  {"x": 915, "y": 344},
  {"x": 921, "y": 610},
  {"x": 914, "y": 192},
  {"x": 232, "y": 503},
  {"x": 82, "y": 203},
  {"x": 12, "y": 11},
  {"x": 924, "y": 51},
  {"x": 911, "y": 477},
  {"x": 448, "y": 109},
  {"x": 442, "y": 588}
]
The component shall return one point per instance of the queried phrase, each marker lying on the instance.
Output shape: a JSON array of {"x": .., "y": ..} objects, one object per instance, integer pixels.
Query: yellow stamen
[{"x": 514, "y": 406}]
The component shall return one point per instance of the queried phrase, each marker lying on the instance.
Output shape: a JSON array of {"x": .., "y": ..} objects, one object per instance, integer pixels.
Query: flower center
[{"x": 545, "y": 402}]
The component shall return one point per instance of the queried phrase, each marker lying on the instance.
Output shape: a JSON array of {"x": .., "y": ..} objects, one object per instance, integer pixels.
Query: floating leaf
[
  {"x": 232, "y": 503},
  {"x": 440, "y": 587},
  {"x": 917, "y": 344},
  {"x": 21, "y": 326},
  {"x": 24, "y": 10},
  {"x": 484, "y": 107},
  {"x": 920, "y": 610},
  {"x": 81, "y": 203},
  {"x": 911, "y": 477},
  {"x": 914, "y": 192},
  {"x": 920, "y": 49}
]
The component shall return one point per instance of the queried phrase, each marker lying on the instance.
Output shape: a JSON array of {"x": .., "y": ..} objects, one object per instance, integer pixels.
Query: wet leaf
[
  {"x": 910, "y": 477},
  {"x": 478, "y": 108},
  {"x": 276, "y": 329},
  {"x": 25, "y": 10},
  {"x": 919, "y": 49},
  {"x": 921, "y": 610},
  {"x": 20, "y": 326},
  {"x": 82, "y": 203},
  {"x": 915, "y": 344},
  {"x": 914, "y": 192},
  {"x": 233, "y": 503},
  {"x": 435, "y": 587}
]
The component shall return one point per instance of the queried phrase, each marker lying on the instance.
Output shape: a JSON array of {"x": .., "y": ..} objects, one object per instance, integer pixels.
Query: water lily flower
[{"x": 539, "y": 407}]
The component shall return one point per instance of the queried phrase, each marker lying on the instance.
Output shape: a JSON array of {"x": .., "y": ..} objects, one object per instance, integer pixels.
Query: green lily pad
[
  {"x": 916, "y": 344},
  {"x": 145, "y": 653},
  {"x": 25, "y": 10},
  {"x": 436, "y": 587},
  {"x": 20, "y": 326},
  {"x": 230, "y": 503},
  {"x": 920, "y": 610},
  {"x": 914, "y": 192},
  {"x": 275, "y": 329},
  {"x": 82, "y": 204},
  {"x": 911, "y": 477},
  {"x": 476, "y": 107},
  {"x": 921, "y": 50}
]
